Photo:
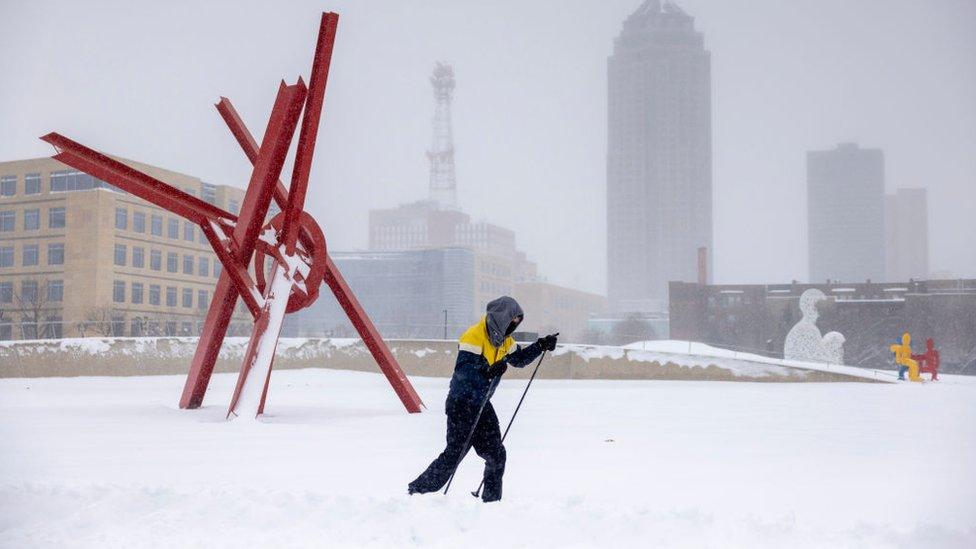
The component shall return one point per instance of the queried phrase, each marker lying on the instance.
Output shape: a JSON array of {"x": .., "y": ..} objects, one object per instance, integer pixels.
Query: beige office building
[{"x": 78, "y": 257}]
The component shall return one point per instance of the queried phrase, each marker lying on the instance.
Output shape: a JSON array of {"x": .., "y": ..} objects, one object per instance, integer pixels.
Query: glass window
[
  {"x": 118, "y": 291},
  {"x": 55, "y": 290},
  {"x": 139, "y": 222},
  {"x": 54, "y": 327},
  {"x": 201, "y": 238},
  {"x": 30, "y": 254},
  {"x": 188, "y": 264},
  {"x": 172, "y": 228},
  {"x": 6, "y": 256},
  {"x": 155, "y": 260},
  {"x": 217, "y": 268},
  {"x": 154, "y": 294},
  {"x": 137, "y": 292},
  {"x": 138, "y": 257},
  {"x": 32, "y": 220},
  {"x": 171, "y": 296},
  {"x": 187, "y": 298},
  {"x": 6, "y": 292},
  {"x": 202, "y": 299},
  {"x": 208, "y": 193},
  {"x": 156, "y": 225},
  {"x": 135, "y": 327},
  {"x": 55, "y": 218},
  {"x": 120, "y": 255},
  {"x": 234, "y": 207},
  {"x": 6, "y": 330},
  {"x": 188, "y": 231},
  {"x": 8, "y": 185},
  {"x": 172, "y": 261},
  {"x": 186, "y": 328},
  {"x": 204, "y": 267},
  {"x": 55, "y": 254},
  {"x": 121, "y": 218},
  {"x": 7, "y": 220},
  {"x": 170, "y": 328},
  {"x": 28, "y": 291},
  {"x": 32, "y": 183}
]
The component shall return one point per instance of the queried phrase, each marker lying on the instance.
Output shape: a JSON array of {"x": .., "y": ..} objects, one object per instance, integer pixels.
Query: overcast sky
[{"x": 139, "y": 79}]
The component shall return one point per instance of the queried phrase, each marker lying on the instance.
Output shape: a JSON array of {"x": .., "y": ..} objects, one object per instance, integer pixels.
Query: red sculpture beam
[{"x": 292, "y": 239}]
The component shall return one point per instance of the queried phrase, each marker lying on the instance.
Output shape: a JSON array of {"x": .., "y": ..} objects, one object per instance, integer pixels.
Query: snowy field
[{"x": 112, "y": 462}]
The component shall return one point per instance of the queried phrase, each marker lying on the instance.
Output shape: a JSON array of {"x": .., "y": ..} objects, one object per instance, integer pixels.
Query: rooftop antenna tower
[{"x": 443, "y": 185}]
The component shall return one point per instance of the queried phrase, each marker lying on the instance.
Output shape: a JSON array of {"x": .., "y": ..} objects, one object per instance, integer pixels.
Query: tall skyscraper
[
  {"x": 845, "y": 214},
  {"x": 906, "y": 235},
  {"x": 659, "y": 156}
]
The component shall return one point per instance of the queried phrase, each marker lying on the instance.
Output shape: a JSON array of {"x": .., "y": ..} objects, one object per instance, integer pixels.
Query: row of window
[
  {"x": 202, "y": 264},
  {"x": 50, "y": 328},
  {"x": 29, "y": 292},
  {"x": 32, "y": 219},
  {"x": 30, "y": 255},
  {"x": 137, "y": 295}
]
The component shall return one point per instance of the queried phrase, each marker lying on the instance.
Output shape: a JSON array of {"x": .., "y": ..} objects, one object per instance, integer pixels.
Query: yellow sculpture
[{"x": 903, "y": 356}]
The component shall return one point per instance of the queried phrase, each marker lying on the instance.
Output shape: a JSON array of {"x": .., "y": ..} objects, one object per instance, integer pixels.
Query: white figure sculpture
[{"x": 804, "y": 341}]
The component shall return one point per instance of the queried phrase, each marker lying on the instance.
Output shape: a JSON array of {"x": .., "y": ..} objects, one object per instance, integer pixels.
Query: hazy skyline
[{"x": 529, "y": 112}]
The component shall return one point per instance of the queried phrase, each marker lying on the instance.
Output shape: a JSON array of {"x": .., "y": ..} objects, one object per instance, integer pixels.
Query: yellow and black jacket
[{"x": 470, "y": 381}]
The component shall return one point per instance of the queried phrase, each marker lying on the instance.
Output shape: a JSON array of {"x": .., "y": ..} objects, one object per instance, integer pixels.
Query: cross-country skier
[{"x": 485, "y": 351}]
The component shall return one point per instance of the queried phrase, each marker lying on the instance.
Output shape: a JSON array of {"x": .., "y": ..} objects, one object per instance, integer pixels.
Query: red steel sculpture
[{"x": 292, "y": 239}]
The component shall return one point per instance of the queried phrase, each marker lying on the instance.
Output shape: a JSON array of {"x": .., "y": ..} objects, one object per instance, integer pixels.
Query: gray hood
[{"x": 500, "y": 313}]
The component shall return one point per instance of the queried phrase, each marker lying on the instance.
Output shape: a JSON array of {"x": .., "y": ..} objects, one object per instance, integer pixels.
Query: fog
[{"x": 139, "y": 80}]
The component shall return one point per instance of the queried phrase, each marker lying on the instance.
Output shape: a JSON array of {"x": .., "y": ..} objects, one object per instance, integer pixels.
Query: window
[
  {"x": 55, "y": 290},
  {"x": 208, "y": 193},
  {"x": 156, "y": 225},
  {"x": 201, "y": 238},
  {"x": 171, "y": 296},
  {"x": 204, "y": 267},
  {"x": 154, "y": 294},
  {"x": 170, "y": 328},
  {"x": 55, "y": 218},
  {"x": 187, "y": 264},
  {"x": 155, "y": 260},
  {"x": 188, "y": 231},
  {"x": 6, "y": 292},
  {"x": 28, "y": 291},
  {"x": 173, "y": 228},
  {"x": 32, "y": 183},
  {"x": 8, "y": 185},
  {"x": 6, "y": 330},
  {"x": 29, "y": 255},
  {"x": 6, "y": 256},
  {"x": 120, "y": 255},
  {"x": 171, "y": 262},
  {"x": 234, "y": 207},
  {"x": 121, "y": 218},
  {"x": 55, "y": 254},
  {"x": 55, "y": 326},
  {"x": 32, "y": 220},
  {"x": 118, "y": 291},
  {"x": 137, "y": 292},
  {"x": 186, "y": 328},
  {"x": 73, "y": 180},
  {"x": 135, "y": 327},
  {"x": 217, "y": 268},
  {"x": 138, "y": 257},
  {"x": 118, "y": 326},
  {"x": 7, "y": 221},
  {"x": 139, "y": 222},
  {"x": 202, "y": 299},
  {"x": 187, "y": 298}
]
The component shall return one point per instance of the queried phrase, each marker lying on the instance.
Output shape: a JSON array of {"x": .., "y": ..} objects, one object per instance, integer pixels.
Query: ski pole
[
  {"x": 467, "y": 443},
  {"x": 477, "y": 493}
]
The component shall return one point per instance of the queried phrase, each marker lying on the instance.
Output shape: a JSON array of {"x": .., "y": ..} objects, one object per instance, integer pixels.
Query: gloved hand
[
  {"x": 497, "y": 369},
  {"x": 548, "y": 343}
]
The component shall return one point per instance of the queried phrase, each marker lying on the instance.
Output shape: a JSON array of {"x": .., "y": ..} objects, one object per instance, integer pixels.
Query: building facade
[
  {"x": 756, "y": 317},
  {"x": 906, "y": 234},
  {"x": 845, "y": 214},
  {"x": 423, "y": 294},
  {"x": 659, "y": 156},
  {"x": 79, "y": 257}
]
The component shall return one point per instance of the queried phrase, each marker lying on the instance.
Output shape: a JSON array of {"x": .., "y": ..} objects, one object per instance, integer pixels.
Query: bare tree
[
  {"x": 632, "y": 329},
  {"x": 97, "y": 321},
  {"x": 34, "y": 309}
]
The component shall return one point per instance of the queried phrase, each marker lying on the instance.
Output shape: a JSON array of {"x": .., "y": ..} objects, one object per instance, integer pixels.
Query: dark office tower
[
  {"x": 845, "y": 214},
  {"x": 659, "y": 156}
]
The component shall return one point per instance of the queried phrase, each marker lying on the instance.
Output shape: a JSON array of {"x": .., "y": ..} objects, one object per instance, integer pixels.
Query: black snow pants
[{"x": 486, "y": 441}]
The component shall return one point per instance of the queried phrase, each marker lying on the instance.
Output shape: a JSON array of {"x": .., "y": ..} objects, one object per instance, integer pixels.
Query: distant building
[
  {"x": 659, "y": 156},
  {"x": 906, "y": 235},
  {"x": 552, "y": 308},
  {"x": 845, "y": 214},
  {"x": 756, "y": 317},
  {"x": 407, "y": 294},
  {"x": 79, "y": 257}
]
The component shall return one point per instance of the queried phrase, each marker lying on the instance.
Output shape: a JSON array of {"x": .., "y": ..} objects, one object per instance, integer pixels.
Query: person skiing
[{"x": 485, "y": 351}]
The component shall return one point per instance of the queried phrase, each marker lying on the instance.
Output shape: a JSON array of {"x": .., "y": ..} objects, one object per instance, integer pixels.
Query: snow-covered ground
[{"x": 112, "y": 462}]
